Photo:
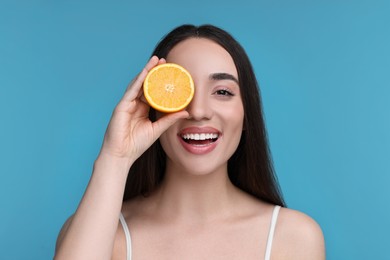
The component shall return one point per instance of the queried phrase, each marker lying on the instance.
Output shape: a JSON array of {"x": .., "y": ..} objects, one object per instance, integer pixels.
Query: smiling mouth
[{"x": 200, "y": 138}]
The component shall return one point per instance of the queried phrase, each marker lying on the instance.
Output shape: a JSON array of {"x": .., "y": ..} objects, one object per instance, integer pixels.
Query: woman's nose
[{"x": 199, "y": 108}]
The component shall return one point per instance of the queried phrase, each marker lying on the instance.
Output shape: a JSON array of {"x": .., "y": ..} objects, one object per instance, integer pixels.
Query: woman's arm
[{"x": 90, "y": 232}]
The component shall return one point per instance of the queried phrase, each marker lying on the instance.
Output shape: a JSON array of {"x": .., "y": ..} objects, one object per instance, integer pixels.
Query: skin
[
  {"x": 217, "y": 104},
  {"x": 196, "y": 213}
]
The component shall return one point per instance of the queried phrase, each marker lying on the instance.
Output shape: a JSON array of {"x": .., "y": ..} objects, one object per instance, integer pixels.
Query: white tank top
[{"x": 267, "y": 250}]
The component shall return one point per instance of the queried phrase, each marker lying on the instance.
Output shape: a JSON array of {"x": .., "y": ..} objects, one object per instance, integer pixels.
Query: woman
[{"x": 181, "y": 198}]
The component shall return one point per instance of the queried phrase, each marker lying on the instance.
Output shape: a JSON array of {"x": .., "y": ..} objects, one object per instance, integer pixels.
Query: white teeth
[{"x": 202, "y": 136}]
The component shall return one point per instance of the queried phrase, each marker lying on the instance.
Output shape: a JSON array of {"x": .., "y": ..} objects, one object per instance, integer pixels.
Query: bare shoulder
[
  {"x": 62, "y": 232},
  {"x": 297, "y": 236}
]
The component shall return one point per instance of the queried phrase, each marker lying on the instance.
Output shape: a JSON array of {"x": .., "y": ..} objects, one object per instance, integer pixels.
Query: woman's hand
[{"x": 130, "y": 132}]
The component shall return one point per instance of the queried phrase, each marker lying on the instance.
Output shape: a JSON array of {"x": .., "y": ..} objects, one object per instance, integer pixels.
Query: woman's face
[{"x": 205, "y": 141}]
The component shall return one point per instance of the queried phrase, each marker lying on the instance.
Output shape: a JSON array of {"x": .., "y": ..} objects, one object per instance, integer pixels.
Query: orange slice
[{"x": 168, "y": 88}]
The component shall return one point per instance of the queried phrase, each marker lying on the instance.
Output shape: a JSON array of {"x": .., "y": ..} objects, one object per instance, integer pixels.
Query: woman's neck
[{"x": 195, "y": 196}]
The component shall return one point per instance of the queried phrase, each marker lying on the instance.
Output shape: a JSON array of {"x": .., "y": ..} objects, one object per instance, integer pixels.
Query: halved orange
[{"x": 168, "y": 87}]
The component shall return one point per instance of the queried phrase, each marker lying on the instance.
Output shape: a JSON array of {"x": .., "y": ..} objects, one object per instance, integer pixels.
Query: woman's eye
[{"x": 224, "y": 92}]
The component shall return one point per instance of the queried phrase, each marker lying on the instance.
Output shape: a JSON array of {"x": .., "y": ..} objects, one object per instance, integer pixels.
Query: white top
[
  {"x": 267, "y": 250},
  {"x": 128, "y": 238}
]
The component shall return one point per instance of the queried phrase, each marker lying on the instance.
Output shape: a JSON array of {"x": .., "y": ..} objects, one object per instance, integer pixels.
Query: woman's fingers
[
  {"x": 154, "y": 60},
  {"x": 163, "y": 123},
  {"x": 136, "y": 84},
  {"x": 162, "y": 61},
  {"x": 134, "y": 88}
]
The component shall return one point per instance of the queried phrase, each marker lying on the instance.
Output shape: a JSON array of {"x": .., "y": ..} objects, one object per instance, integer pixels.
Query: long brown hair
[{"x": 250, "y": 168}]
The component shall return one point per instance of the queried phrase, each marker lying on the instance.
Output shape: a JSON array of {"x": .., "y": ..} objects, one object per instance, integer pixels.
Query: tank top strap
[
  {"x": 270, "y": 239},
  {"x": 127, "y": 235}
]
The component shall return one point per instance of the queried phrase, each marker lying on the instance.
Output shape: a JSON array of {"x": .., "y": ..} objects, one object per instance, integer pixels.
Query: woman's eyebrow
[{"x": 223, "y": 76}]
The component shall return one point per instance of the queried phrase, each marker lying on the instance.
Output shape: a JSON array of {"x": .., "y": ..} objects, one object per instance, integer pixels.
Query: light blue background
[{"x": 324, "y": 70}]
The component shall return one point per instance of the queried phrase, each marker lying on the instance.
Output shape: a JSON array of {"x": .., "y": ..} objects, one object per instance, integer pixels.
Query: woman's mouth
[{"x": 199, "y": 140}]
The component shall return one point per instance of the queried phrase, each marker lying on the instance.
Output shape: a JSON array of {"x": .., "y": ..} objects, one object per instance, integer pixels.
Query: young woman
[{"x": 157, "y": 193}]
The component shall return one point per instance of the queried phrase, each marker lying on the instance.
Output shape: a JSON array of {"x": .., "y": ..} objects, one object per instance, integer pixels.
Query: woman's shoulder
[
  {"x": 298, "y": 236},
  {"x": 292, "y": 220}
]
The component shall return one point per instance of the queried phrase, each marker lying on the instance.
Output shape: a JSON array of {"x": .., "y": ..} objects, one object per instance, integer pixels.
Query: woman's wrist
[{"x": 113, "y": 164}]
